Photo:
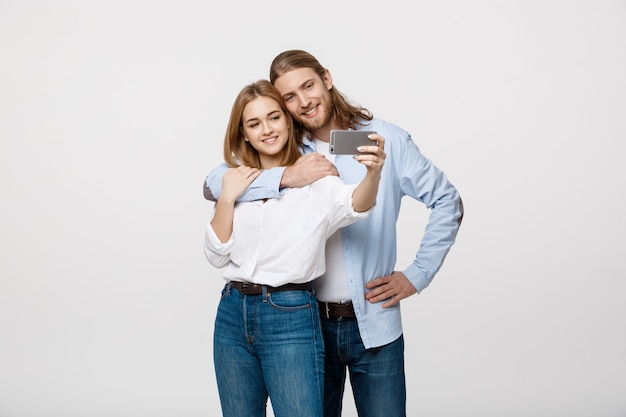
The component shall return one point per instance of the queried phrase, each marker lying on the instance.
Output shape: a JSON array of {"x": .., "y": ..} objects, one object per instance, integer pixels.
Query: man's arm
[
  {"x": 423, "y": 181},
  {"x": 305, "y": 171},
  {"x": 266, "y": 185}
]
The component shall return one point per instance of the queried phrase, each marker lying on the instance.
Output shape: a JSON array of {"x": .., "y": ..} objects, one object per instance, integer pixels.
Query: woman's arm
[
  {"x": 364, "y": 196},
  {"x": 234, "y": 183}
]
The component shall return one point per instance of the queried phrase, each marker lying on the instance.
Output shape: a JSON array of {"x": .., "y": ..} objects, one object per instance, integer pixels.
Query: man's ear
[{"x": 328, "y": 80}]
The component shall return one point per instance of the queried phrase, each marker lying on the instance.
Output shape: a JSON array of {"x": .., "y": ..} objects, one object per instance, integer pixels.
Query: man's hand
[
  {"x": 394, "y": 287},
  {"x": 308, "y": 169}
]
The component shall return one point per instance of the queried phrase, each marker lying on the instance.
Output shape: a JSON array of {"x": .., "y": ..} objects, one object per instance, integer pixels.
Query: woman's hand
[
  {"x": 364, "y": 196},
  {"x": 236, "y": 181},
  {"x": 374, "y": 156}
]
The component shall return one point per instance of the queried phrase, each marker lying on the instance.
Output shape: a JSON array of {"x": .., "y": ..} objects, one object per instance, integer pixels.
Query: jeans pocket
[{"x": 291, "y": 300}]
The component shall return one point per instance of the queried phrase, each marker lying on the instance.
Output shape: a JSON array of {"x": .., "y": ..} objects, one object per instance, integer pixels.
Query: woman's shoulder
[
  {"x": 329, "y": 185},
  {"x": 329, "y": 180}
]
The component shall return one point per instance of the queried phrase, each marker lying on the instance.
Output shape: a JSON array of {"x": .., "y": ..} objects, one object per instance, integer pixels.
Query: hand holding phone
[{"x": 346, "y": 142}]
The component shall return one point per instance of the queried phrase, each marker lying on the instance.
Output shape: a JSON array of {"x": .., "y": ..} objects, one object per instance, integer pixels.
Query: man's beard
[
  {"x": 313, "y": 125},
  {"x": 322, "y": 118}
]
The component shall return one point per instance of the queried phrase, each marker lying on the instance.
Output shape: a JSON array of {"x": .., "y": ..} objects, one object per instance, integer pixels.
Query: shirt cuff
[
  {"x": 416, "y": 277},
  {"x": 212, "y": 242},
  {"x": 267, "y": 185}
]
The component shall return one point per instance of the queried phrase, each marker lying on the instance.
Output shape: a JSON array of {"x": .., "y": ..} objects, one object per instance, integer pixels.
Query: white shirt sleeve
[
  {"x": 216, "y": 252},
  {"x": 338, "y": 197}
]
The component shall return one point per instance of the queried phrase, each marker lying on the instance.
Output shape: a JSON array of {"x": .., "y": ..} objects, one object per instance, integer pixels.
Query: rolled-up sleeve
[{"x": 217, "y": 253}]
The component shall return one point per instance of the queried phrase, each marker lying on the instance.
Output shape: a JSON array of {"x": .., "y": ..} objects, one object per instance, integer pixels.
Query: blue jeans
[
  {"x": 269, "y": 344},
  {"x": 376, "y": 375}
]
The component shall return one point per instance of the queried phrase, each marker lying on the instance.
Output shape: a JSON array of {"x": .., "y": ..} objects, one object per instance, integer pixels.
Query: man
[{"x": 360, "y": 292}]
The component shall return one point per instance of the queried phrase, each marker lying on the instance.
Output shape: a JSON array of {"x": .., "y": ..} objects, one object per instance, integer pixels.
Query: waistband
[
  {"x": 343, "y": 310},
  {"x": 248, "y": 288}
]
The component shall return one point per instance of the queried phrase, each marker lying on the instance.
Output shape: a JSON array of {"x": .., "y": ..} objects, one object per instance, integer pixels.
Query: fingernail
[
  {"x": 360, "y": 149},
  {"x": 370, "y": 136}
]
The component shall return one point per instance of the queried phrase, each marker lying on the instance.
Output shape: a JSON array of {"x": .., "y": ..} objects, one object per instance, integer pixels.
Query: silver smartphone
[{"x": 345, "y": 142}]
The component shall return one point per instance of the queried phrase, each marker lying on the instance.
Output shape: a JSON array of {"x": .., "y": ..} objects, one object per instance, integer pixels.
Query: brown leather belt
[
  {"x": 247, "y": 288},
  {"x": 336, "y": 310}
]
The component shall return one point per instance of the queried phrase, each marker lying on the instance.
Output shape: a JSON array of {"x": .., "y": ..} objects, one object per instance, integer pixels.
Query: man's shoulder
[
  {"x": 398, "y": 142},
  {"x": 384, "y": 128}
]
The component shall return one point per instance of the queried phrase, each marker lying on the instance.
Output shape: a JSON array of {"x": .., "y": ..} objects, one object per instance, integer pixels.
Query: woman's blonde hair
[{"x": 239, "y": 152}]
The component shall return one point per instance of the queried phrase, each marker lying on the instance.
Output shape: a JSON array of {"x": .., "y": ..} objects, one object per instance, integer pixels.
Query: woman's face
[{"x": 265, "y": 126}]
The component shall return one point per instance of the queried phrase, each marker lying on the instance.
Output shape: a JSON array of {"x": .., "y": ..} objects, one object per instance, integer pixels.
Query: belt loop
[
  {"x": 326, "y": 310},
  {"x": 264, "y": 293}
]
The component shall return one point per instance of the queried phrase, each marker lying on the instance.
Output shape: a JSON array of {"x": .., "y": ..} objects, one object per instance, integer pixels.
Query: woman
[{"x": 267, "y": 337}]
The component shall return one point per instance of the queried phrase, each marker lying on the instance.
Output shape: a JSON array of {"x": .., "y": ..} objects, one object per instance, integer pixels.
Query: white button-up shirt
[{"x": 282, "y": 240}]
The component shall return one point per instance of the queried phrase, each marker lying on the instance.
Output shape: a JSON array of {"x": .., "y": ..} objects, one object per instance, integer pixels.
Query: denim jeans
[
  {"x": 269, "y": 344},
  {"x": 376, "y": 375}
]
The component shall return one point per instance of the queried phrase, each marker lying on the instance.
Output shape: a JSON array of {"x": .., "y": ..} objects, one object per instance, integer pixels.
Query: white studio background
[{"x": 112, "y": 113}]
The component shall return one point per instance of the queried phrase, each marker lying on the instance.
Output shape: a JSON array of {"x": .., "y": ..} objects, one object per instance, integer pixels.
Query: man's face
[{"x": 306, "y": 96}]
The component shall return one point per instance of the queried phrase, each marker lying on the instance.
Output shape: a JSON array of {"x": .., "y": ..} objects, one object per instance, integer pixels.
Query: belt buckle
[
  {"x": 327, "y": 310},
  {"x": 245, "y": 287},
  {"x": 339, "y": 316}
]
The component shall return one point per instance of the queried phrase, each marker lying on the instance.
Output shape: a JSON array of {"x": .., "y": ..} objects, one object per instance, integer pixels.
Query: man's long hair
[{"x": 345, "y": 113}]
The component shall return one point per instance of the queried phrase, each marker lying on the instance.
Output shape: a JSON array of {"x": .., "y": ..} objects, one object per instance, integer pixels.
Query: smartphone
[{"x": 345, "y": 142}]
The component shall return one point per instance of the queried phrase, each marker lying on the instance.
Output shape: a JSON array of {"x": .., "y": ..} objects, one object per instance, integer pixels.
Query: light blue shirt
[{"x": 370, "y": 244}]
